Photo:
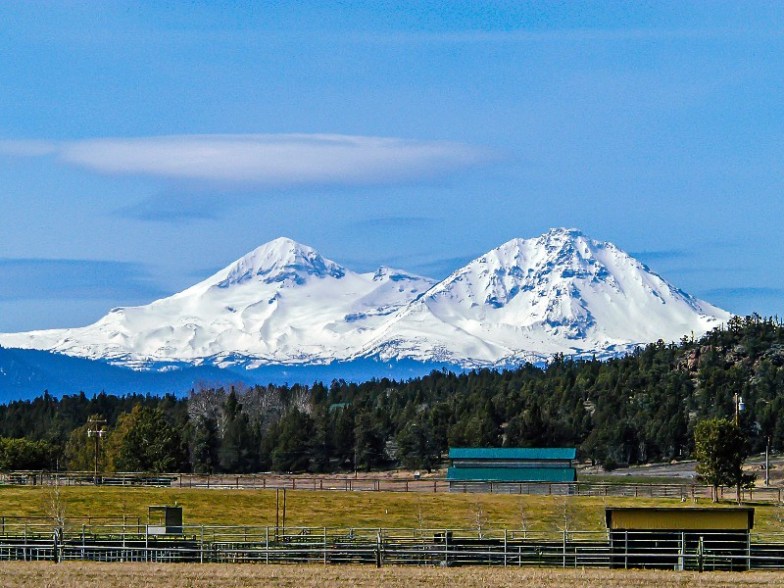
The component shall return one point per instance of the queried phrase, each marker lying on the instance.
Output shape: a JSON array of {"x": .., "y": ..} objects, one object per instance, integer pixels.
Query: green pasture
[{"x": 339, "y": 509}]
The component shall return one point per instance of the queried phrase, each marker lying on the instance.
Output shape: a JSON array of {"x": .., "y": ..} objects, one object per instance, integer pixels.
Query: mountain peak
[
  {"x": 281, "y": 260},
  {"x": 563, "y": 233},
  {"x": 554, "y": 238}
]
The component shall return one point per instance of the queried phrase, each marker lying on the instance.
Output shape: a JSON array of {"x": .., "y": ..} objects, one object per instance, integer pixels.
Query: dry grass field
[
  {"x": 95, "y": 575},
  {"x": 342, "y": 509}
]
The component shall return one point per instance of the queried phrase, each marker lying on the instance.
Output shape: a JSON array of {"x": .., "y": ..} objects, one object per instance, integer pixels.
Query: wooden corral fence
[
  {"x": 685, "y": 492},
  {"x": 111, "y": 541}
]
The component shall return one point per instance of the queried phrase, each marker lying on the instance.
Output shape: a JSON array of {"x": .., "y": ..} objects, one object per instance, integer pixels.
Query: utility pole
[
  {"x": 740, "y": 406},
  {"x": 96, "y": 431},
  {"x": 767, "y": 460}
]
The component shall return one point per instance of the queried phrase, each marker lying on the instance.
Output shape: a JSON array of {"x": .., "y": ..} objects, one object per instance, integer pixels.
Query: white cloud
[{"x": 276, "y": 160}]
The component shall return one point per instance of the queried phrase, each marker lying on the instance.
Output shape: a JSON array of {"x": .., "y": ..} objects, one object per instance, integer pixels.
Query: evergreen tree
[
  {"x": 368, "y": 443},
  {"x": 205, "y": 445},
  {"x": 720, "y": 449},
  {"x": 416, "y": 445},
  {"x": 144, "y": 442},
  {"x": 292, "y": 452},
  {"x": 237, "y": 453}
]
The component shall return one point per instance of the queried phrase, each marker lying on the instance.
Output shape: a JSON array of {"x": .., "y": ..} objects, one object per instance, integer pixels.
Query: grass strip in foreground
[{"x": 97, "y": 575}]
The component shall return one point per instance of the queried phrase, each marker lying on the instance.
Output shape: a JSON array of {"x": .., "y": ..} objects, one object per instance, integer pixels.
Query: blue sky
[{"x": 143, "y": 145}]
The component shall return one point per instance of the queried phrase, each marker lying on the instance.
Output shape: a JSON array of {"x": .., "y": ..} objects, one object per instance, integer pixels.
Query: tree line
[{"x": 642, "y": 407}]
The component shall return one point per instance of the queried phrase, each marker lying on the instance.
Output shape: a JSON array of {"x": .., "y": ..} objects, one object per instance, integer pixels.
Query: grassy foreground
[
  {"x": 341, "y": 509},
  {"x": 95, "y": 575}
]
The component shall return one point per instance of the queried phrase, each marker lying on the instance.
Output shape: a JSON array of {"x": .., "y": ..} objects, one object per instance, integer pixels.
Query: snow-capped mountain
[
  {"x": 284, "y": 304},
  {"x": 281, "y": 303},
  {"x": 531, "y": 298}
]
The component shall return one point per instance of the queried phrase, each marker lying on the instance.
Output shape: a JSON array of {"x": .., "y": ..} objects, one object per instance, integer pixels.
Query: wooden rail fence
[{"x": 684, "y": 492}]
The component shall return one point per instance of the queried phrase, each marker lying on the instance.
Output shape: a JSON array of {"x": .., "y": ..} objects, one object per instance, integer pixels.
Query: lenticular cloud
[{"x": 277, "y": 160}]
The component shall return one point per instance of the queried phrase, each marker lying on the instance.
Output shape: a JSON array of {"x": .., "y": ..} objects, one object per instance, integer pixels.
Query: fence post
[
  {"x": 682, "y": 553},
  {"x": 563, "y": 545},
  {"x": 201, "y": 546},
  {"x": 325, "y": 546},
  {"x": 626, "y": 549},
  {"x": 505, "y": 545},
  {"x": 266, "y": 544}
]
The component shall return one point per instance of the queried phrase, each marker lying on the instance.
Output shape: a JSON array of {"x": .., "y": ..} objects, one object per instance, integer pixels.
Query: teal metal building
[{"x": 497, "y": 467}]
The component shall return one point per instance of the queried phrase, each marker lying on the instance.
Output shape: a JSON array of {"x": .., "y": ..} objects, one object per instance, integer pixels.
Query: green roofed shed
[{"x": 473, "y": 467}]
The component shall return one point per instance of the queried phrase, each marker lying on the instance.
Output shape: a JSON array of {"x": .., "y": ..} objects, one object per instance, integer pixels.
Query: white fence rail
[{"x": 33, "y": 540}]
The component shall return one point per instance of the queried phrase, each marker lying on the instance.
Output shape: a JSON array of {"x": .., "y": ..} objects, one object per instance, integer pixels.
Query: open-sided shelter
[{"x": 680, "y": 538}]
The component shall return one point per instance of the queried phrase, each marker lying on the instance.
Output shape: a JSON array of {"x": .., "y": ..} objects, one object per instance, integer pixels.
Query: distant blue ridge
[{"x": 26, "y": 373}]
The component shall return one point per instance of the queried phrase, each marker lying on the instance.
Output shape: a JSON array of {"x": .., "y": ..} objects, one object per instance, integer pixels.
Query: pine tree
[{"x": 720, "y": 448}]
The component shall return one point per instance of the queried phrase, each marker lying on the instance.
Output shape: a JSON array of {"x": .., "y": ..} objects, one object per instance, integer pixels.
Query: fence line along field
[
  {"x": 81, "y": 504},
  {"x": 102, "y": 575}
]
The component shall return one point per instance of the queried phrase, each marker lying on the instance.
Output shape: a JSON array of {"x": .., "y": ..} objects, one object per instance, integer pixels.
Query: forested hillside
[{"x": 639, "y": 408}]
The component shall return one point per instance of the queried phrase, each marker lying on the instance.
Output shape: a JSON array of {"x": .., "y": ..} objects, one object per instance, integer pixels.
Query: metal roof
[
  {"x": 511, "y": 475},
  {"x": 519, "y": 453},
  {"x": 684, "y": 518}
]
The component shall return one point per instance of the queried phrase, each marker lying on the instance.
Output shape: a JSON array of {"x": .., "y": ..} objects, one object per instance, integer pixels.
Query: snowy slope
[
  {"x": 530, "y": 298},
  {"x": 283, "y": 303}
]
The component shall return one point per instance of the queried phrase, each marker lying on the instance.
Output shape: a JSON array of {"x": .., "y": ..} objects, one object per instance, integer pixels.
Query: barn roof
[{"x": 518, "y": 453}]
